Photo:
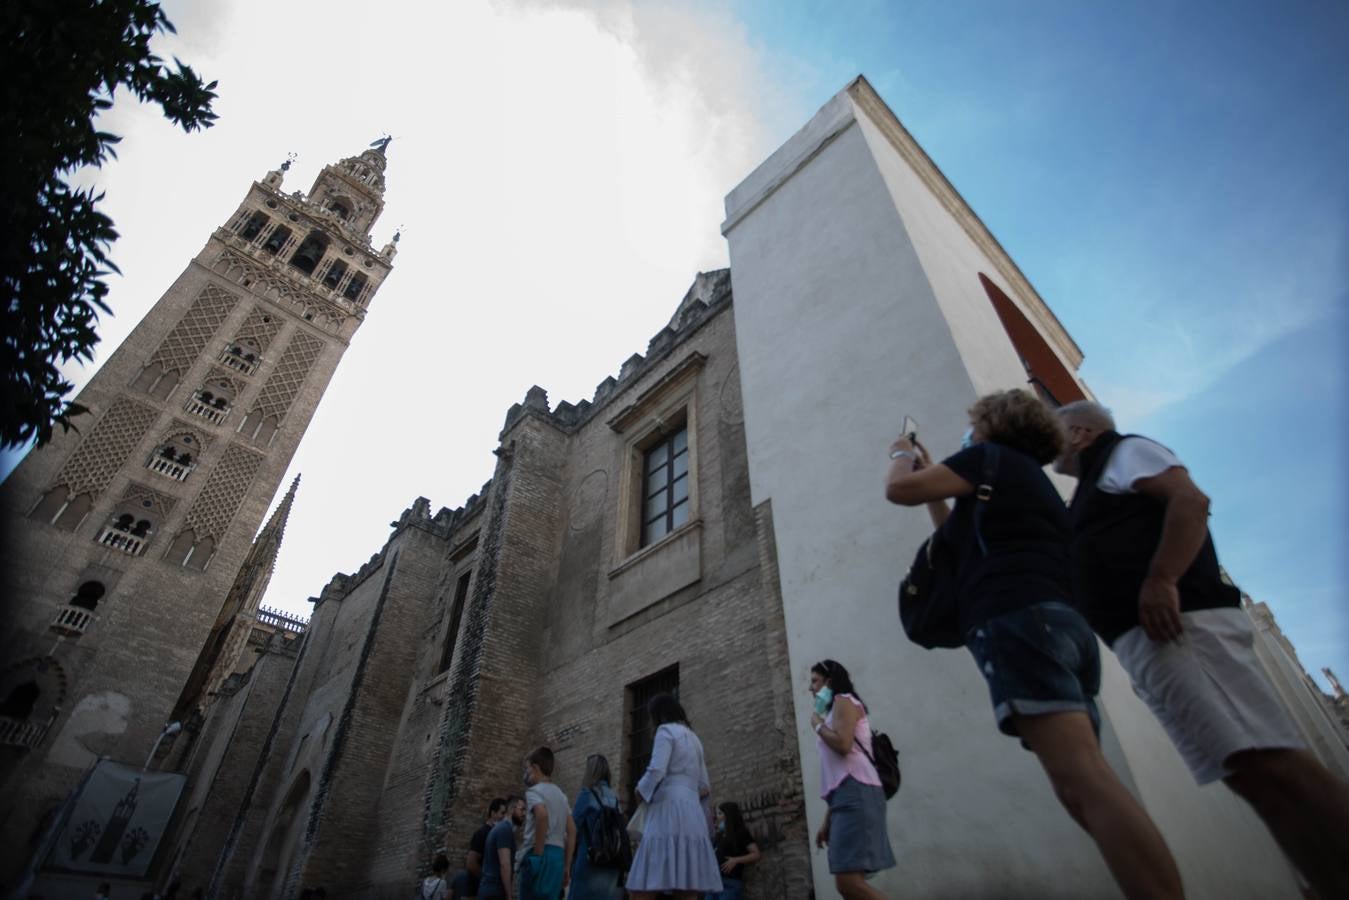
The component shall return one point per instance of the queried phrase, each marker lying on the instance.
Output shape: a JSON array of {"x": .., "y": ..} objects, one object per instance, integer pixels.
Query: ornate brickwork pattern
[
  {"x": 99, "y": 456},
  {"x": 218, "y": 374},
  {"x": 279, "y": 287},
  {"x": 184, "y": 344},
  {"x": 151, "y": 501},
  {"x": 178, "y": 427},
  {"x": 291, "y": 371},
  {"x": 259, "y": 328},
  {"x": 217, "y": 503}
]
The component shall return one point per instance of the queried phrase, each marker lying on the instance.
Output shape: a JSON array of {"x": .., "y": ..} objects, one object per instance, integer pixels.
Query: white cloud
[{"x": 560, "y": 172}]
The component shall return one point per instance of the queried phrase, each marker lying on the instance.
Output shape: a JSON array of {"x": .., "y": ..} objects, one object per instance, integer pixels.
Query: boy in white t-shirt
[
  {"x": 1146, "y": 575},
  {"x": 544, "y": 863}
]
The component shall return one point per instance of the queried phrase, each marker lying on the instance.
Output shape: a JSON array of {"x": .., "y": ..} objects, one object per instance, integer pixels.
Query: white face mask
[{"x": 967, "y": 439}]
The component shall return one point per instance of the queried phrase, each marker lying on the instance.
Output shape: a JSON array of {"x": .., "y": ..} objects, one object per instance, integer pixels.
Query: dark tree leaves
[{"x": 61, "y": 63}]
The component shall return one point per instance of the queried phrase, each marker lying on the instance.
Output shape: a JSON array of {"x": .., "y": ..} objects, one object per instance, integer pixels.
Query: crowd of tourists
[
  {"x": 1025, "y": 583},
  {"x": 586, "y": 850}
]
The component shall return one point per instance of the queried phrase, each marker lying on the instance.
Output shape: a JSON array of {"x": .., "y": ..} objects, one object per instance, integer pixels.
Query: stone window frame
[{"x": 658, "y": 413}]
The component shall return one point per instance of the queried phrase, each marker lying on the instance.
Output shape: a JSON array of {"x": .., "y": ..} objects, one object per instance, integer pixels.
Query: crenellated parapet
[{"x": 708, "y": 295}]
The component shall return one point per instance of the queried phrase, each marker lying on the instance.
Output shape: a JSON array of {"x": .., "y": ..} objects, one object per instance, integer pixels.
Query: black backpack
[
  {"x": 927, "y": 603},
  {"x": 885, "y": 758},
  {"x": 607, "y": 842}
]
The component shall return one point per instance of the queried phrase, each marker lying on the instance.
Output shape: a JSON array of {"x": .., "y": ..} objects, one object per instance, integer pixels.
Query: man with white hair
[{"x": 1146, "y": 576}]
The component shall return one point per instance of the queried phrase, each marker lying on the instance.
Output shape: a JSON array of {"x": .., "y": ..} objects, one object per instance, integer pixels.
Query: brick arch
[{"x": 1054, "y": 381}]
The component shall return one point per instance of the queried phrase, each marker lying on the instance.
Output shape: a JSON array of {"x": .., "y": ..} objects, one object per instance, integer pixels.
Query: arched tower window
[
  {"x": 191, "y": 553},
  {"x": 212, "y": 401},
  {"x": 88, "y": 595},
  {"x": 354, "y": 287},
  {"x": 155, "y": 381},
  {"x": 277, "y": 239},
  {"x": 253, "y": 226},
  {"x": 333, "y": 276},
  {"x": 78, "y": 614},
  {"x": 242, "y": 356},
  {"x": 259, "y": 427},
  {"x": 340, "y": 207},
  {"x": 176, "y": 457},
  {"x": 129, "y": 529},
  {"x": 306, "y": 257},
  {"x": 58, "y": 508}
]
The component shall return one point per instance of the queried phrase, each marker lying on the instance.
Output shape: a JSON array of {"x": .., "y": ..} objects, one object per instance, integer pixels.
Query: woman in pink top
[{"x": 854, "y": 826}]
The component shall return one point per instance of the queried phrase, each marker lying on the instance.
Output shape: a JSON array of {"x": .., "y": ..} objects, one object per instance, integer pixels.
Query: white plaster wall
[
  {"x": 839, "y": 335},
  {"x": 1185, "y": 813},
  {"x": 857, "y": 300}
]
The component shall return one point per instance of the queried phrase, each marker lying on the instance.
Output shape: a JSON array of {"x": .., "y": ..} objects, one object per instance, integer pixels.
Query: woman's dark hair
[
  {"x": 441, "y": 865},
  {"x": 664, "y": 709},
  {"x": 737, "y": 833},
  {"x": 838, "y": 678}
]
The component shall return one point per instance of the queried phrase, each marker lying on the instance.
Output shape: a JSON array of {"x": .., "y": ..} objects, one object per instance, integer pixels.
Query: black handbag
[{"x": 927, "y": 595}]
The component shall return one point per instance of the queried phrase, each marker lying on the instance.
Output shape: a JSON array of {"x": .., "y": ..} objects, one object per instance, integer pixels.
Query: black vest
[{"x": 1114, "y": 539}]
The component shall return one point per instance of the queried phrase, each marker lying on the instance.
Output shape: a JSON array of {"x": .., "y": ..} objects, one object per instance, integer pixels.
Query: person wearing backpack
[
  {"x": 854, "y": 826},
  {"x": 735, "y": 849},
  {"x": 1009, "y": 533},
  {"x": 602, "y": 848}
]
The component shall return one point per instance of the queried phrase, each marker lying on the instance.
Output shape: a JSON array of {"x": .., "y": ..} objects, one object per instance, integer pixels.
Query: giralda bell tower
[{"x": 122, "y": 539}]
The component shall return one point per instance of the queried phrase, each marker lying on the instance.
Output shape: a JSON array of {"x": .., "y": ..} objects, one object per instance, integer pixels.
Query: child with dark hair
[
  {"x": 676, "y": 853},
  {"x": 435, "y": 887},
  {"x": 550, "y": 834},
  {"x": 735, "y": 849}
]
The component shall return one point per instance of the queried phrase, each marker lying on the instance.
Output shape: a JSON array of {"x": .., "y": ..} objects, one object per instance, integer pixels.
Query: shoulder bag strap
[{"x": 983, "y": 493}]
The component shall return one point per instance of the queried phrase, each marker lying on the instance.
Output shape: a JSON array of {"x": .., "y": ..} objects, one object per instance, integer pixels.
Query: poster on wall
[{"x": 117, "y": 821}]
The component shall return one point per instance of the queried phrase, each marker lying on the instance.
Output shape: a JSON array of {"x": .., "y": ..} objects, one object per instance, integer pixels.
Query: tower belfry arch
[{"x": 156, "y": 499}]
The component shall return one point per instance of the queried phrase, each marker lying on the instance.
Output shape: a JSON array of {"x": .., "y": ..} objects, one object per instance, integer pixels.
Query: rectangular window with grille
[
  {"x": 641, "y": 731},
  {"x": 665, "y": 497}
]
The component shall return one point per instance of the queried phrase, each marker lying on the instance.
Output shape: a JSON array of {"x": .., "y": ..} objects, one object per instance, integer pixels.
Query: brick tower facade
[{"x": 123, "y": 538}]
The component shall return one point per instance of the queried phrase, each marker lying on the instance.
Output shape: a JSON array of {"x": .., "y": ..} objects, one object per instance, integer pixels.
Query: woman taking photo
[
  {"x": 854, "y": 827},
  {"x": 735, "y": 849},
  {"x": 675, "y": 853},
  {"x": 1013, "y": 594},
  {"x": 588, "y": 881}
]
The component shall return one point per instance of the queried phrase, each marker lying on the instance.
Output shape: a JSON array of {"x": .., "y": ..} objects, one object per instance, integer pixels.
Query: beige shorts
[{"x": 1209, "y": 690}]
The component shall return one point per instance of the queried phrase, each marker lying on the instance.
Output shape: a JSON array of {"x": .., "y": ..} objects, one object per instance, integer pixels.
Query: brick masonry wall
[{"x": 412, "y": 754}]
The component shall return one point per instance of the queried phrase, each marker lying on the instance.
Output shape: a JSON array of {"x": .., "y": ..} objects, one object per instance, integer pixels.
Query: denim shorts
[{"x": 1040, "y": 659}]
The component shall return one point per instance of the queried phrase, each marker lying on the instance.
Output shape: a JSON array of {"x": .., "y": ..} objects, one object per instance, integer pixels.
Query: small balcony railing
[
  {"x": 72, "y": 621},
  {"x": 18, "y": 733},
  {"x": 207, "y": 411},
  {"x": 175, "y": 470},
  {"x": 238, "y": 362},
  {"x": 128, "y": 543}
]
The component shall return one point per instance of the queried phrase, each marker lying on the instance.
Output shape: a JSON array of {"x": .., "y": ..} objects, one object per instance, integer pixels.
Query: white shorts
[{"x": 1209, "y": 690}]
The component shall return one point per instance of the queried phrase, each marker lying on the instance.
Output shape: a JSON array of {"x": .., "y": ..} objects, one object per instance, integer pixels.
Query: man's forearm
[{"x": 1184, "y": 530}]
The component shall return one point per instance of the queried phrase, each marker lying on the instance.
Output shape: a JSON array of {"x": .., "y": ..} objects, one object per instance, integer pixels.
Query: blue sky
[{"x": 1172, "y": 177}]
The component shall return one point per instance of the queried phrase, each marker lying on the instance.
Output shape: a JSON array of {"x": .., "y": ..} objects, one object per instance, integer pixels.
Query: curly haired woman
[{"x": 1014, "y": 597}]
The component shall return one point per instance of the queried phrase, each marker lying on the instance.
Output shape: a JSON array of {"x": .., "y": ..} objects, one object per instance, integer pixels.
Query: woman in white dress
[{"x": 676, "y": 852}]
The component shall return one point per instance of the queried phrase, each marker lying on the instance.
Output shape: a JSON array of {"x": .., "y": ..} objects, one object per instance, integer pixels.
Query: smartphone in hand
[{"x": 909, "y": 428}]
